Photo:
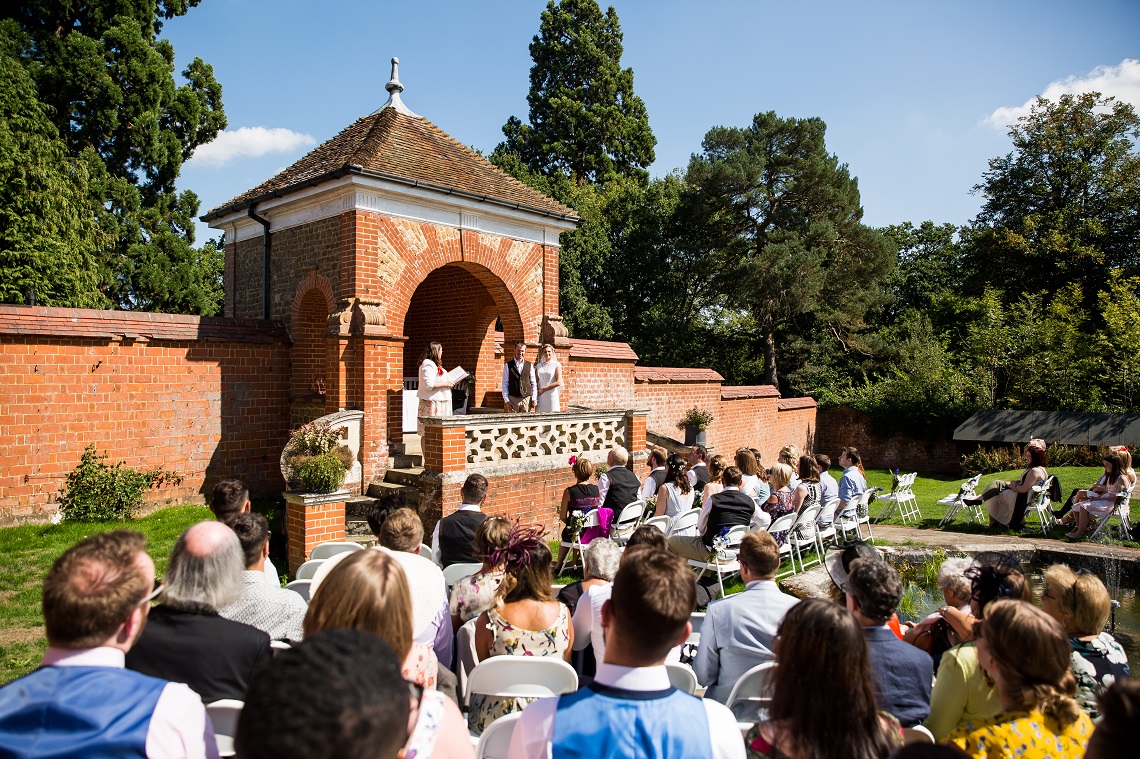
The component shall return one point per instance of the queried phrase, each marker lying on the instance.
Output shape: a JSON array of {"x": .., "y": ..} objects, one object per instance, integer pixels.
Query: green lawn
[{"x": 28, "y": 552}]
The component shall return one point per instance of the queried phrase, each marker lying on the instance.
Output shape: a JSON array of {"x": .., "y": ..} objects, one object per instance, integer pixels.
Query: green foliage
[
  {"x": 314, "y": 458},
  {"x": 695, "y": 417},
  {"x": 95, "y": 490},
  {"x": 320, "y": 474},
  {"x": 106, "y": 81},
  {"x": 585, "y": 122}
]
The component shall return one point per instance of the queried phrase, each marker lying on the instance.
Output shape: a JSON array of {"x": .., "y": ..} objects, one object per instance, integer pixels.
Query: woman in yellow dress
[{"x": 1026, "y": 653}]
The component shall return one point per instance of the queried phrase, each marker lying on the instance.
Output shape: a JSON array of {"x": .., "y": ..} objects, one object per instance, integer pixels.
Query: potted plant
[
  {"x": 694, "y": 423},
  {"x": 314, "y": 460}
]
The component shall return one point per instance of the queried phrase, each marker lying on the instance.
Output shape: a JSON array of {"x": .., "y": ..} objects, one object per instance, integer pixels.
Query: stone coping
[
  {"x": 317, "y": 499},
  {"x": 494, "y": 420}
]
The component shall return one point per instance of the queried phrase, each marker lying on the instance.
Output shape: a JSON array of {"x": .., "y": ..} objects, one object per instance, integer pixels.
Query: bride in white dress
[{"x": 548, "y": 374}]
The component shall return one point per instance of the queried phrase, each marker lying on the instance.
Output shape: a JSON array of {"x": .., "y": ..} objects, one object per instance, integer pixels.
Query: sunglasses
[{"x": 159, "y": 589}]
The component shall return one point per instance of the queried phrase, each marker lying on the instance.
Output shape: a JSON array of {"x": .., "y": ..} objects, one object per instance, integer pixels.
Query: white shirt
[
  {"x": 691, "y": 475},
  {"x": 435, "y": 555},
  {"x": 179, "y": 726},
  {"x": 706, "y": 509},
  {"x": 603, "y": 486},
  {"x": 507, "y": 381},
  {"x": 588, "y": 620},
  {"x": 649, "y": 487},
  {"x": 534, "y": 730},
  {"x": 429, "y": 375}
]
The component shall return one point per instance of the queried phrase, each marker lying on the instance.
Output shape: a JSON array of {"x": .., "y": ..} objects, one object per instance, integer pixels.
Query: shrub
[
  {"x": 990, "y": 460},
  {"x": 315, "y": 460},
  {"x": 95, "y": 490},
  {"x": 695, "y": 417},
  {"x": 321, "y": 474}
]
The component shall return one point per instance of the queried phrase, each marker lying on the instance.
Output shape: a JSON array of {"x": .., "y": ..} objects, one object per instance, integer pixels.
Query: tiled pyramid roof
[{"x": 394, "y": 145}]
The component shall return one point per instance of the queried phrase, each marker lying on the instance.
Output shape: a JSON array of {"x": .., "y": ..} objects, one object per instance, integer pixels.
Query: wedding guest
[
  {"x": 745, "y": 461},
  {"x": 548, "y": 372},
  {"x": 698, "y": 469},
  {"x": 675, "y": 494},
  {"x": 617, "y": 486},
  {"x": 471, "y": 596},
  {"x": 229, "y": 499},
  {"x": 656, "y": 461},
  {"x": 852, "y": 484},
  {"x": 1115, "y": 734},
  {"x": 1006, "y": 500},
  {"x": 827, "y": 484},
  {"x": 717, "y": 465},
  {"x": 578, "y": 500},
  {"x": 1099, "y": 504},
  {"x": 520, "y": 388},
  {"x": 453, "y": 540}
]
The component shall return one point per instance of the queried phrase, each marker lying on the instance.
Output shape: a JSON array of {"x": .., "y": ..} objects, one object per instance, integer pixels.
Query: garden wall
[
  {"x": 205, "y": 397},
  {"x": 841, "y": 426}
]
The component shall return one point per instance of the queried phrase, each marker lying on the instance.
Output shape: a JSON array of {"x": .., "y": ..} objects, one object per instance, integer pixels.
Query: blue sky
[{"x": 911, "y": 92}]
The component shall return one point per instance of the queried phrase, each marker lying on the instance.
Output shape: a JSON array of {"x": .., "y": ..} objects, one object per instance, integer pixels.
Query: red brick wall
[
  {"x": 206, "y": 398},
  {"x": 841, "y": 426},
  {"x": 601, "y": 384},
  {"x": 668, "y": 402}
]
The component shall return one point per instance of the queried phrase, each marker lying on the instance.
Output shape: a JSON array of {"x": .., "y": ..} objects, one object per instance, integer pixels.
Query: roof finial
[{"x": 394, "y": 89}]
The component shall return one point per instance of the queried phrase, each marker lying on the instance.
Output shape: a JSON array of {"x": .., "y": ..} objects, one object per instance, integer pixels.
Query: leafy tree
[
  {"x": 585, "y": 121},
  {"x": 784, "y": 225},
  {"x": 49, "y": 241},
  {"x": 1061, "y": 206},
  {"x": 106, "y": 80}
]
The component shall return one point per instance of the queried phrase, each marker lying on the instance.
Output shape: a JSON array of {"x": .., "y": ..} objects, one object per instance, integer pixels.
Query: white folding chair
[
  {"x": 453, "y": 573},
  {"x": 1121, "y": 509},
  {"x": 825, "y": 531},
  {"x": 785, "y": 524},
  {"x": 301, "y": 588},
  {"x": 750, "y": 689},
  {"x": 901, "y": 498},
  {"x": 917, "y": 734},
  {"x": 327, "y": 550},
  {"x": 309, "y": 568},
  {"x": 496, "y": 737},
  {"x": 804, "y": 535},
  {"x": 224, "y": 715},
  {"x": 724, "y": 560},
  {"x": 591, "y": 519},
  {"x": 466, "y": 658},
  {"x": 521, "y": 677},
  {"x": 1040, "y": 506},
  {"x": 955, "y": 501},
  {"x": 682, "y": 677},
  {"x": 862, "y": 516},
  {"x": 628, "y": 520},
  {"x": 661, "y": 523},
  {"x": 684, "y": 523},
  {"x": 425, "y": 551}
]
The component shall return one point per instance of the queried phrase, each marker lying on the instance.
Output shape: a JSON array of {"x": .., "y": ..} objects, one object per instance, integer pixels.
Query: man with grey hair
[
  {"x": 601, "y": 560},
  {"x": 617, "y": 486},
  {"x": 185, "y": 640}
]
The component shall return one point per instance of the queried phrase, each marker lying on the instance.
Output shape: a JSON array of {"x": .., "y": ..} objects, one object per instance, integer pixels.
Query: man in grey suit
[{"x": 738, "y": 632}]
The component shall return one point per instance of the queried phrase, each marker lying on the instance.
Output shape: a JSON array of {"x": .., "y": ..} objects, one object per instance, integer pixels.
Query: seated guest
[
  {"x": 617, "y": 488},
  {"x": 933, "y": 633},
  {"x": 739, "y": 632},
  {"x": 763, "y": 487},
  {"x": 902, "y": 672},
  {"x": 527, "y": 621},
  {"x": 1098, "y": 505},
  {"x": 779, "y": 501},
  {"x": 1081, "y": 603},
  {"x": 790, "y": 456},
  {"x": 401, "y": 536},
  {"x": 823, "y": 646},
  {"x": 717, "y": 465},
  {"x": 230, "y": 498},
  {"x": 658, "y": 456},
  {"x": 453, "y": 540},
  {"x": 471, "y": 596},
  {"x": 368, "y": 591},
  {"x": 580, "y": 499},
  {"x": 961, "y": 692},
  {"x": 852, "y": 484},
  {"x": 829, "y": 488},
  {"x": 185, "y": 639},
  {"x": 1006, "y": 500},
  {"x": 745, "y": 461},
  {"x": 339, "y": 695},
  {"x": 1101, "y": 485},
  {"x": 1115, "y": 733},
  {"x": 601, "y": 562},
  {"x": 675, "y": 494},
  {"x": 808, "y": 492},
  {"x": 698, "y": 474},
  {"x": 275, "y": 610},
  {"x": 630, "y": 709},
  {"x": 1026, "y": 653},
  {"x": 725, "y": 510},
  {"x": 647, "y": 535},
  {"x": 81, "y": 701}
]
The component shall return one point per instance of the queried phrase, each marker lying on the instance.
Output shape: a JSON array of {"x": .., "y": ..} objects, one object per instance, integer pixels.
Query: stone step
[
  {"x": 409, "y": 476},
  {"x": 380, "y": 489},
  {"x": 406, "y": 461},
  {"x": 409, "y": 445}
]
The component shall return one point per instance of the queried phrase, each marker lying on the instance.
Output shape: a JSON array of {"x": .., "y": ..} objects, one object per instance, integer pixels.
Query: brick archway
[{"x": 311, "y": 373}]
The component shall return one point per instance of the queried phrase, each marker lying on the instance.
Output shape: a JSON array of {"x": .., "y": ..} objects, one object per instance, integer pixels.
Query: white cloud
[
  {"x": 1121, "y": 82},
  {"x": 248, "y": 142}
]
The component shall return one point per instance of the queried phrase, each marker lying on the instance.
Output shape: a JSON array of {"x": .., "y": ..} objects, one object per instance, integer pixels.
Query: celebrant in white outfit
[
  {"x": 549, "y": 374},
  {"x": 435, "y": 386}
]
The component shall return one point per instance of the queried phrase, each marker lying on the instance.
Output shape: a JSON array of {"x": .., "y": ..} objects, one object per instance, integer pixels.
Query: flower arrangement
[
  {"x": 576, "y": 523},
  {"x": 314, "y": 458},
  {"x": 894, "y": 481},
  {"x": 720, "y": 545},
  {"x": 695, "y": 417},
  {"x": 650, "y": 506}
]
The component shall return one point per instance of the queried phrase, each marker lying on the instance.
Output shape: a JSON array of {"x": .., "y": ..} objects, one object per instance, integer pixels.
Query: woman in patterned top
[
  {"x": 369, "y": 591},
  {"x": 526, "y": 620},
  {"x": 1081, "y": 604},
  {"x": 821, "y": 643},
  {"x": 1026, "y": 653},
  {"x": 473, "y": 595}
]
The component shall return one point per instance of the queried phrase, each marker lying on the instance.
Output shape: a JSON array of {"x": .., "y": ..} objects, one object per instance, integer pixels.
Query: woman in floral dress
[
  {"x": 473, "y": 595},
  {"x": 526, "y": 620}
]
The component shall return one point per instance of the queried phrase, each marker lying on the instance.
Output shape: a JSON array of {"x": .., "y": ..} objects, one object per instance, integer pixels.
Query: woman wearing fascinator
[{"x": 1006, "y": 500}]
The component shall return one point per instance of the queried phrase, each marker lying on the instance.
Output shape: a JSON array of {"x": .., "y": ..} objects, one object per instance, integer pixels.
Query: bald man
[{"x": 185, "y": 640}]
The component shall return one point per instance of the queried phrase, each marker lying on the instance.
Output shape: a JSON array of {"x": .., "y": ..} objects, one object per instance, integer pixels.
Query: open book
[{"x": 455, "y": 375}]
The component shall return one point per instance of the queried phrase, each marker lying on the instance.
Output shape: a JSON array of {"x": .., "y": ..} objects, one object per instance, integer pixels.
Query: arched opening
[
  {"x": 310, "y": 357},
  {"x": 458, "y": 305}
]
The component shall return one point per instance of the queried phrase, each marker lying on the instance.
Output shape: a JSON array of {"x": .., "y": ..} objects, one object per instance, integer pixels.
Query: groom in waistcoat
[
  {"x": 630, "y": 709},
  {"x": 81, "y": 701},
  {"x": 520, "y": 390}
]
